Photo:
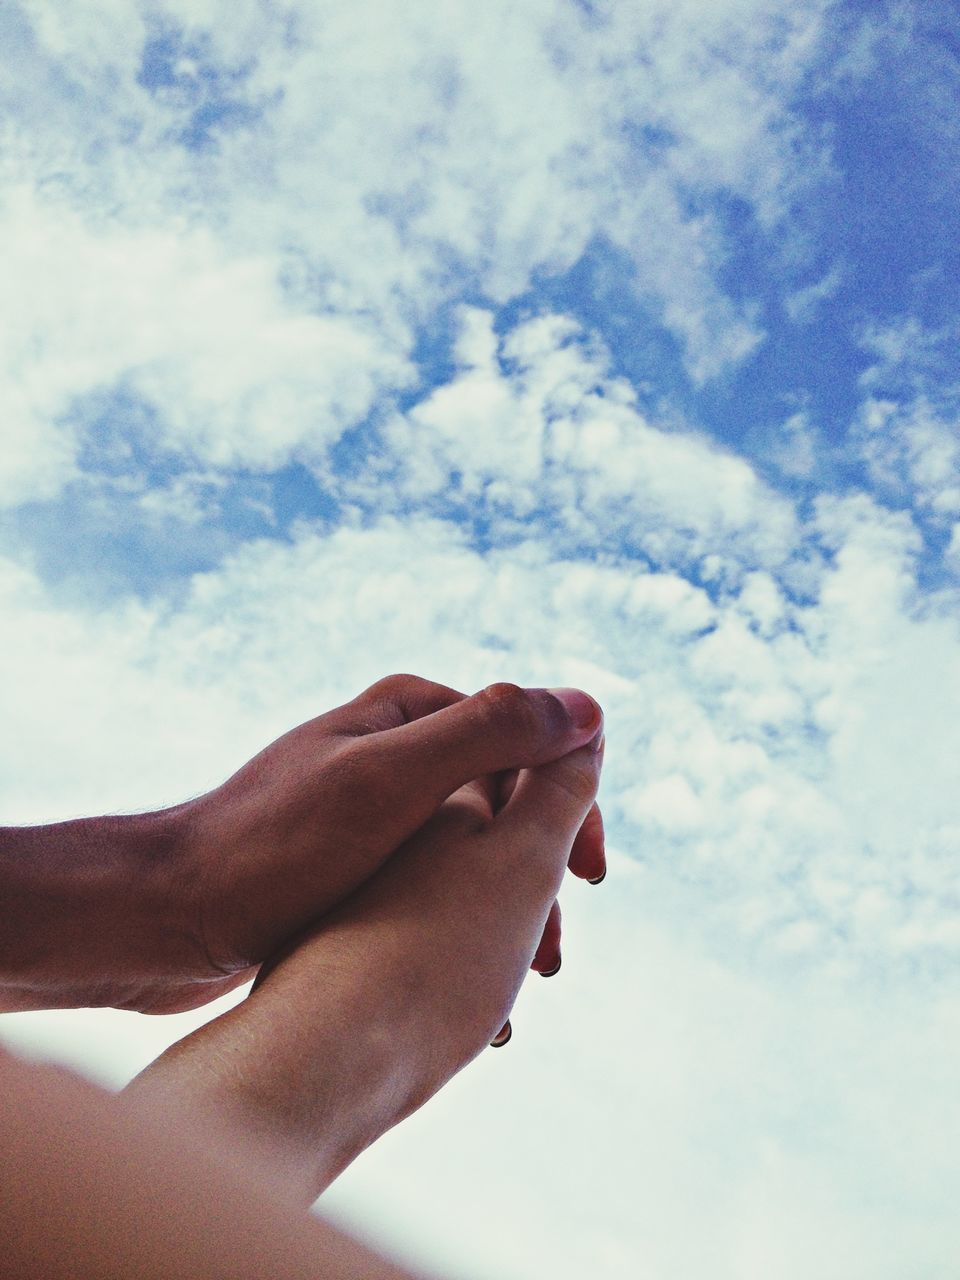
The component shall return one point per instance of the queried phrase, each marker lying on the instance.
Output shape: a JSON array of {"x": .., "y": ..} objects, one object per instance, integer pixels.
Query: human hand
[
  {"x": 164, "y": 912},
  {"x": 310, "y": 818},
  {"x": 375, "y": 1008}
]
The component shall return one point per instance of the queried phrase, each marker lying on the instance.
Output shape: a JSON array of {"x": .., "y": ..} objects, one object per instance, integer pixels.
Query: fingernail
[
  {"x": 579, "y": 706},
  {"x": 550, "y": 973},
  {"x": 501, "y": 1039},
  {"x": 599, "y": 879}
]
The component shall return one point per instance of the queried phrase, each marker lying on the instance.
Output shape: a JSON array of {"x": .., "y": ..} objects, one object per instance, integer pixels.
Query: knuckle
[
  {"x": 395, "y": 699},
  {"x": 394, "y": 686},
  {"x": 507, "y": 705},
  {"x": 408, "y": 696}
]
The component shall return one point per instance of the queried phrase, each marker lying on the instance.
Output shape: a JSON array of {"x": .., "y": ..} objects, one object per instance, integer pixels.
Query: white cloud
[
  {"x": 187, "y": 499},
  {"x": 907, "y": 426},
  {"x": 913, "y": 452},
  {"x": 891, "y": 710},
  {"x": 485, "y": 146},
  {"x": 237, "y": 376},
  {"x": 797, "y": 448},
  {"x": 802, "y": 304},
  {"x": 538, "y": 422},
  {"x": 260, "y": 294}
]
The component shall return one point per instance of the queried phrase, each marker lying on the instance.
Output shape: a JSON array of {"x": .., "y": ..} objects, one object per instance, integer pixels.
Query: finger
[
  {"x": 547, "y": 960},
  {"x": 587, "y": 857},
  {"x": 549, "y": 805},
  {"x": 392, "y": 701},
  {"x": 501, "y": 727},
  {"x": 503, "y": 1036},
  {"x": 413, "y": 768}
]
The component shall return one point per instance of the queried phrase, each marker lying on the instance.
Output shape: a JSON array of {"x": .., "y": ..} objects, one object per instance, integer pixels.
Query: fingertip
[
  {"x": 503, "y": 1036},
  {"x": 587, "y": 857},
  {"x": 546, "y": 960},
  {"x": 583, "y": 711}
]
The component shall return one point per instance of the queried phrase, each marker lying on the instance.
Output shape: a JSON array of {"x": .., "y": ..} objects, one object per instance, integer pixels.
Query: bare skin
[
  {"x": 93, "y": 1189},
  {"x": 394, "y": 992},
  {"x": 196, "y": 1169},
  {"x": 166, "y": 911}
]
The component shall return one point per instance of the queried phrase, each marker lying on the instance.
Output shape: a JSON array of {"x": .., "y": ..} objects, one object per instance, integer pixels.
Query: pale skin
[{"x": 418, "y": 892}]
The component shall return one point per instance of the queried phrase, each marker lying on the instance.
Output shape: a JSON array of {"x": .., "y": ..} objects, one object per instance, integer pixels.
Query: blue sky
[
  {"x": 854, "y": 248},
  {"x": 613, "y": 345}
]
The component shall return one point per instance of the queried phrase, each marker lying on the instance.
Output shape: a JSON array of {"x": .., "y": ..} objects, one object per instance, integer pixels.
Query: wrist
[
  {"x": 305, "y": 1074},
  {"x": 89, "y": 909}
]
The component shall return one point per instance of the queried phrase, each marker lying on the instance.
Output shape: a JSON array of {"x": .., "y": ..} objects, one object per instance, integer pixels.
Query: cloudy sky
[{"x": 569, "y": 342}]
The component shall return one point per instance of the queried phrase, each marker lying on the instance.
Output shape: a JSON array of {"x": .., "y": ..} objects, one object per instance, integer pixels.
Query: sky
[{"x": 613, "y": 345}]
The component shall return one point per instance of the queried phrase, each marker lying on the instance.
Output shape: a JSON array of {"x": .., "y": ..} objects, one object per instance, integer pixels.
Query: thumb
[{"x": 416, "y": 766}]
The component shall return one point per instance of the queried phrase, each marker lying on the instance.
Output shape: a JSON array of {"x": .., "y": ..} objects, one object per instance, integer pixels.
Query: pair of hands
[
  {"x": 393, "y": 867},
  {"x": 319, "y": 811}
]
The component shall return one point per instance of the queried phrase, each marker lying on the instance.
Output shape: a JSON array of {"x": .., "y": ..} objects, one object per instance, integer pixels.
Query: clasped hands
[{"x": 391, "y": 868}]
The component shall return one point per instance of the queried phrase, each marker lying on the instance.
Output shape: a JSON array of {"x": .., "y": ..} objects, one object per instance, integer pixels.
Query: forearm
[
  {"x": 310, "y": 1071},
  {"x": 91, "y": 1188},
  {"x": 85, "y": 906}
]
